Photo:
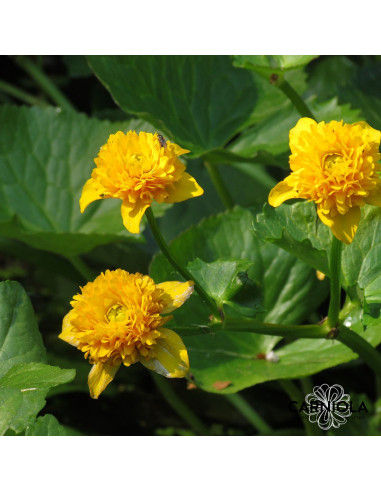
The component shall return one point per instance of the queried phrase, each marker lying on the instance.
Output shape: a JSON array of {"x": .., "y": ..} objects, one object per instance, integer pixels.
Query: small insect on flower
[
  {"x": 139, "y": 169},
  {"x": 336, "y": 166},
  {"x": 118, "y": 319},
  {"x": 162, "y": 141}
]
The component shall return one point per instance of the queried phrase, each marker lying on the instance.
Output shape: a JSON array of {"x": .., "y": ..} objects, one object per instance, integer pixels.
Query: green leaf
[
  {"x": 291, "y": 292},
  {"x": 352, "y": 82},
  {"x": 226, "y": 280},
  {"x": 48, "y": 426},
  {"x": 36, "y": 376},
  {"x": 364, "y": 92},
  {"x": 239, "y": 363},
  {"x": 20, "y": 340},
  {"x": 201, "y": 102},
  {"x": 297, "y": 229},
  {"x": 19, "y": 409},
  {"x": 269, "y": 64},
  {"x": 24, "y": 379},
  {"x": 45, "y": 159}
]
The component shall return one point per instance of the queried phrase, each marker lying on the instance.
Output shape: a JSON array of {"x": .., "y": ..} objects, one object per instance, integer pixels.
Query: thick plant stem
[
  {"x": 82, "y": 268},
  {"x": 291, "y": 331},
  {"x": 173, "y": 261},
  {"x": 296, "y": 395},
  {"x": 219, "y": 185},
  {"x": 178, "y": 405},
  {"x": 359, "y": 345},
  {"x": 249, "y": 413},
  {"x": 20, "y": 94},
  {"x": 44, "y": 82},
  {"x": 335, "y": 292},
  {"x": 294, "y": 97}
]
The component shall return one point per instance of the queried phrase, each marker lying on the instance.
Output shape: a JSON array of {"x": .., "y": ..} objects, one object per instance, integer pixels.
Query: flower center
[
  {"x": 331, "y": 160},
  {"x": 117, "y": 313}
]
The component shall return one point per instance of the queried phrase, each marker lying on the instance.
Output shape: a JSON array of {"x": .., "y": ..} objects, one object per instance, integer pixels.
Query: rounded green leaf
[
  {"x": 20, "y": 339},
  {"x": 201, "y": 102}
]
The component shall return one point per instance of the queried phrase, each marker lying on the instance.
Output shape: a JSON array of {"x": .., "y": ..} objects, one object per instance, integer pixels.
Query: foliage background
[{"x": 231, "y": 117}]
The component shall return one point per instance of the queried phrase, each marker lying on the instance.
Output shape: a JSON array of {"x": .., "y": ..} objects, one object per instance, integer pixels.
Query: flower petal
[
  {"x": 344, "y": 226},
  {"x": 101, "y": 374},
  {"x": 175, "y": 294},
  {"x": 170, "y": 356},
  {"x": 66, "y": 333},
  {"x": 176, "y": 148},
  {"x": 186, "y": 187},
  {"x": 303, "y": 125},
  {"x": 281, "y": 192},
  {"x": 132, "y": 214},
  {"x": 374, "y": 198},
  {"x": 91, "y": 192},
  {"x": 371, "y": 135}
]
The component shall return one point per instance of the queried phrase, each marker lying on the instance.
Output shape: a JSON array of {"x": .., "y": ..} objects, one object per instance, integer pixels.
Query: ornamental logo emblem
[{"x": 328, "y": 406}]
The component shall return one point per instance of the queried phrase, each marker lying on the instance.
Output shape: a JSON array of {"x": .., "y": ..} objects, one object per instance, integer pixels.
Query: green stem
[
  {"x": 82, "y": 268},
  {"x": 306, "y": 384},
  {"x": 172, "y": 260},
  {"x": 219, "y": 184},
  {"x": 359, "y": 345},
  {"x": 20, "y": 94},
  {"x": 296, "y": 395},
  {"x": 291, "y": 331},
  {"x": 44, "y": 82},
  {"x": 294, "y": 97},
  {"x": 178, "y": 405},
  {"x": 335, "y": 292},
  {"x": 249, "y": 413}
]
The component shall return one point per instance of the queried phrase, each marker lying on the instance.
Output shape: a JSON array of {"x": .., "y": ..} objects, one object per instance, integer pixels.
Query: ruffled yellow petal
[
  {"x": 91, "y": 192},
  {"x": 371, "y": 135},
  {"x": 66, "y": 333},
  {"x": 303, "y": 125},
  {"x": 169, "y": 357},
  {"x": 374, "y": 197},
  {"x": 175, "y": 294},
  {"x": 281, "y": 192},
  {"x": 177, "y": 149},
  {"x": 186, "y": 187},
  {"x": 101, "y": 374},
  {"x": 132, "y": 214},
  {"x": 344, "y": 226}
]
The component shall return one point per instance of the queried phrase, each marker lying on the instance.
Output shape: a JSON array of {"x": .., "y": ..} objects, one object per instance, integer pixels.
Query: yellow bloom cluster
[
  {"x": 336, "y": 166},
  {"x": 117, "y": 319},
  {"x": 139, "y": 168}
]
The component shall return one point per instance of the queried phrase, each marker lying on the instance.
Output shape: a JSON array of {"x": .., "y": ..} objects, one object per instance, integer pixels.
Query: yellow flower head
[
  {"x": 336, "y": 166},
  {"x": 117, "y": 320},
  {"x": 139, "y": 168}
]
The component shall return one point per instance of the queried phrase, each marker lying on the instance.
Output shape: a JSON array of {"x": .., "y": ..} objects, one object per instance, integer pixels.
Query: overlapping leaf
[
  {"x": 24, "y": 378},
  {"x": 290, "y": 288},
  {"x": 297, "y": 229}
]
